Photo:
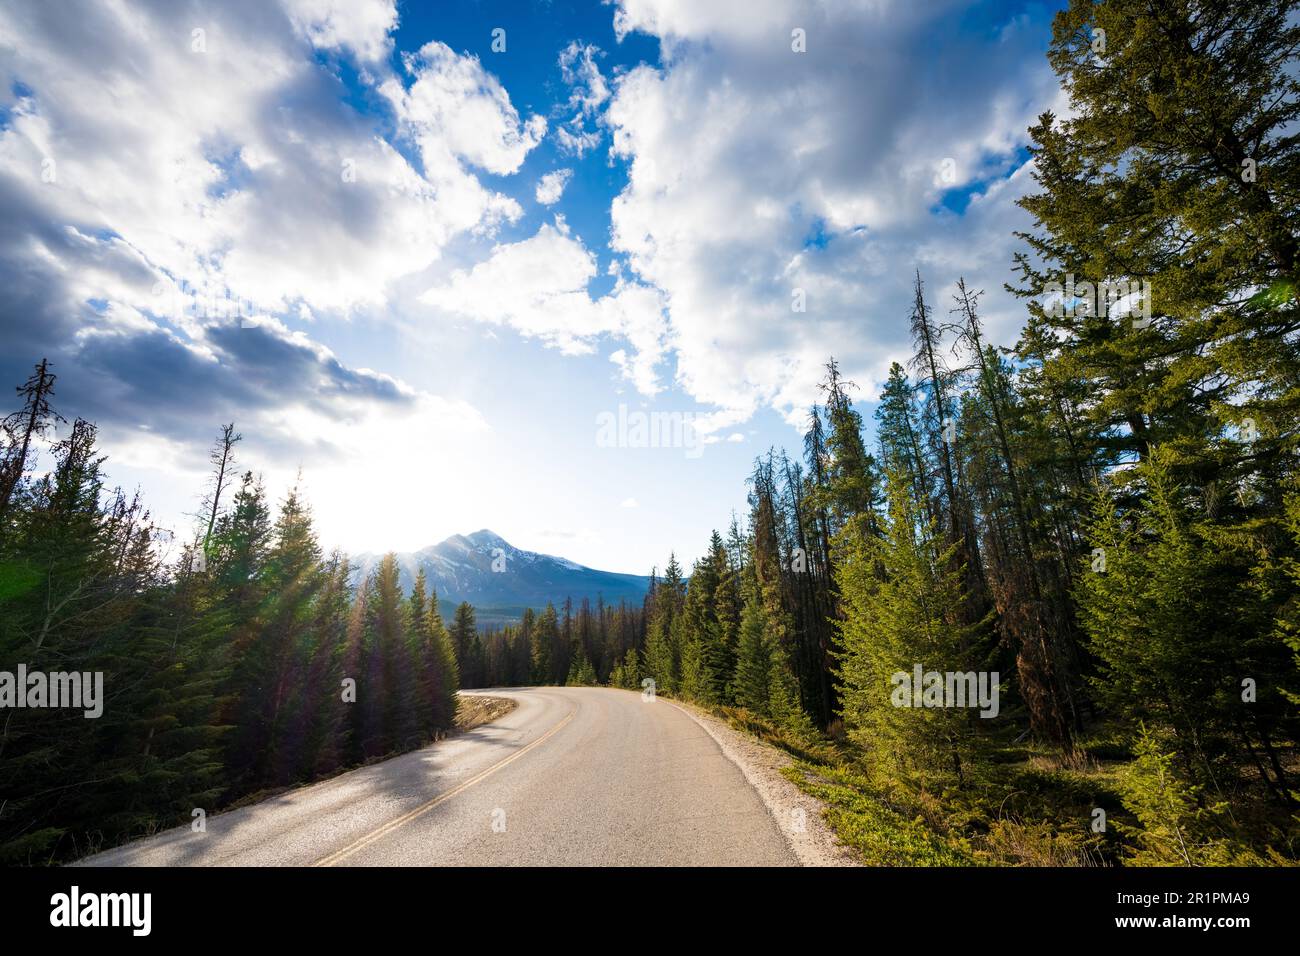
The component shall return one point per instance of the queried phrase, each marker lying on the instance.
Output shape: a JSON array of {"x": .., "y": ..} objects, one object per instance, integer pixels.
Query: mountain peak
[{"x": 467, "y": 567}]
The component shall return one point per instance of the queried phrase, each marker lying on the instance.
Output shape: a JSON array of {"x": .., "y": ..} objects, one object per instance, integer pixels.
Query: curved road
[{"x": 572, "y": 776}]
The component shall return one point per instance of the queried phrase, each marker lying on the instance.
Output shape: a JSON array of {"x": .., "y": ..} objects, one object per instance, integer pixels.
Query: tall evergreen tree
[
  {"x": 468, "y": 645},
  {"x": 901, "y": 593}
]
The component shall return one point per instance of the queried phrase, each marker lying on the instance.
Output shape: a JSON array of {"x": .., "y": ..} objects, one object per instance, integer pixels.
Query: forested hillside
[{"x": 247, "y": 664}]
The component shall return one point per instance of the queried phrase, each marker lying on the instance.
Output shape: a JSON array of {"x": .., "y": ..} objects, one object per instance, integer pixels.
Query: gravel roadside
[{"x": 798, "y": 815}]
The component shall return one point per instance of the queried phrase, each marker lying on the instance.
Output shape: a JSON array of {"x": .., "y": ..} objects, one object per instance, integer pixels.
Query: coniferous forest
[
  {"x": 246, "y": 664},
  {"x": 1101, "y": 516},
  {"x": 1106, "y": 513}
]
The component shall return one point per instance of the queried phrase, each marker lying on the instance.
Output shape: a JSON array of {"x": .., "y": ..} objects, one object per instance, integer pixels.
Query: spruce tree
[
  {"x": 468, "y": 646},
  {"x": 902, "y": 599},
  {"x": 753, "y": 680},
  {"x": 581, "y": 673},
  {"x": 1174, "y": 653},
  {"x": 545, "y": 634}
]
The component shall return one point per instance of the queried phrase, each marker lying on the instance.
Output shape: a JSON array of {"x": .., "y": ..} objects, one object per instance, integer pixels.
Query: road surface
[{"x": 572, "y": 776}]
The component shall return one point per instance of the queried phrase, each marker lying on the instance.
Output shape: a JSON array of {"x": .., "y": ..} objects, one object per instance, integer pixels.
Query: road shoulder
[{"x": 799, "y": 817}]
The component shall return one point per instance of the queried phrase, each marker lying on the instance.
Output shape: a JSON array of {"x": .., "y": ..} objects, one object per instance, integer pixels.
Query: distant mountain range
[{"x": 501, "y": 580}]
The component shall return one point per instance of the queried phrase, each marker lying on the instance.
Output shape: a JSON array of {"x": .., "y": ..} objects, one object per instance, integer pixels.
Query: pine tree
[
  {"x": 753, "y": 679},
  {"x": 665, "y": 630},
  {"x": 581, "y": 673},
  {"x": 545, "y": 635},
  {"x": 522, "y": 667},
  {"x": 770, "y": 552},
  {"x": 705, "y": 661},
  {"x": 271, "y": 660},
  {"x": 99, "y": 606},
  {"x": 660, "y": 663},
  {"x": 728, "y": 604},
  {"x": 852, "y": 477},
  {"x": 1175, "y": 168},
  {"x": 900, "y": 437},
  {"x": 17, "y": 430},
  {"x": 1178, "y": 826},
  {"x": 323, "y": 717},
  {"x": 697, "y": 678},
  {"x": 429, "y": 646},
  {"x": 385, "y": 694},
  {"x": 1174, "y": 653},
  {"x": 626, "y": 673},
  {"x": 468, "y": 645},
  {"x": 901, "y": 599}
]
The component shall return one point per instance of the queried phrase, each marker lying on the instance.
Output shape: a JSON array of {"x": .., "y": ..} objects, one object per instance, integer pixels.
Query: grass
[
  {"x": 473, "y": 710},
  {"x": 1025, "y": 805},
  {"x": 882, "y": 835}
]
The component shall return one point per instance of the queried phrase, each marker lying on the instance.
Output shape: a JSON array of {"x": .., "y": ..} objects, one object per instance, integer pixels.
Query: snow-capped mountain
[{"x": 488, "y": 571}]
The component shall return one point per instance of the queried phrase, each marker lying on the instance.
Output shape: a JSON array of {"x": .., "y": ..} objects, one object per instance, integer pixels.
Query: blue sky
[{"x": 435, "y": 327}]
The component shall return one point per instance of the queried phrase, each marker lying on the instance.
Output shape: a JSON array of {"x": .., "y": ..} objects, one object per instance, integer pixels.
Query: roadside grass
[
  {"x": 473, "y": 710},
  {"x": 881, "y": 834},
  {"x": 1023, "y": 806}
]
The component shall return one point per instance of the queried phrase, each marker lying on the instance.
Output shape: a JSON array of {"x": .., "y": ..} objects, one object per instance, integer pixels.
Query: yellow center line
[{"x": 365, "y": 841}]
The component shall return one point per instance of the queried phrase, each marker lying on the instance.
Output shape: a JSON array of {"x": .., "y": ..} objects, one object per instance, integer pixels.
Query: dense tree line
[
  {"x": 250, "y": 663},
  {"x": 580, "y": 644},
  {"x": 1108, "y": 513}
]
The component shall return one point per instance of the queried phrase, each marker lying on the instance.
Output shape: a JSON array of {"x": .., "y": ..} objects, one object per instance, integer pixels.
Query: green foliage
[
  {"x": 1173, "y": 625},
  {"x": 581, "y": 673},
  {"x": 222, "y": 674},
  {"x": 697, "y": 677},
  {"x": 901, "y": 598},
  {"x": 429, "y": 647},
  {"x": 661, "y": 661},
  {"x": 1176, "y": 828},
  {"x": 753, "y": 682},
  {"x": 881, "y": 835},
  {"x": 468, "y": 646},
  {"x": 627, "y": 672},
  {"x": 544, "y": 638}
]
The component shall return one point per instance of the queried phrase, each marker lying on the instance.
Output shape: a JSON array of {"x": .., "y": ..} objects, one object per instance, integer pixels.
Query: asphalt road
[{"x": 570, "y": 777}]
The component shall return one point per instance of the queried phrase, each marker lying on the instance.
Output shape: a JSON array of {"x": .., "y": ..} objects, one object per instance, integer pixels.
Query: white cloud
[
  {"x": 551, "y": 186},
  {"x": 677, "y": 20},
  {"x": 362, "y": 26},
  {"x": 630, "y": 503},
  {"x": 588, "y": 93},
  {"x": 539, "y": 287},
  {"x": 137, "y": 163},
  {"x": 235, "y": 164},
  {"x": 757, "y": 171},
  {"x": 348, "y": 444},
  {"x": 456, "y": 110}
]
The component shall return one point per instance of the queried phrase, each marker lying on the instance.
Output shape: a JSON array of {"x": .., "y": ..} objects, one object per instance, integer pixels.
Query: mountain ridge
[{"x": 486, "y": 570}]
